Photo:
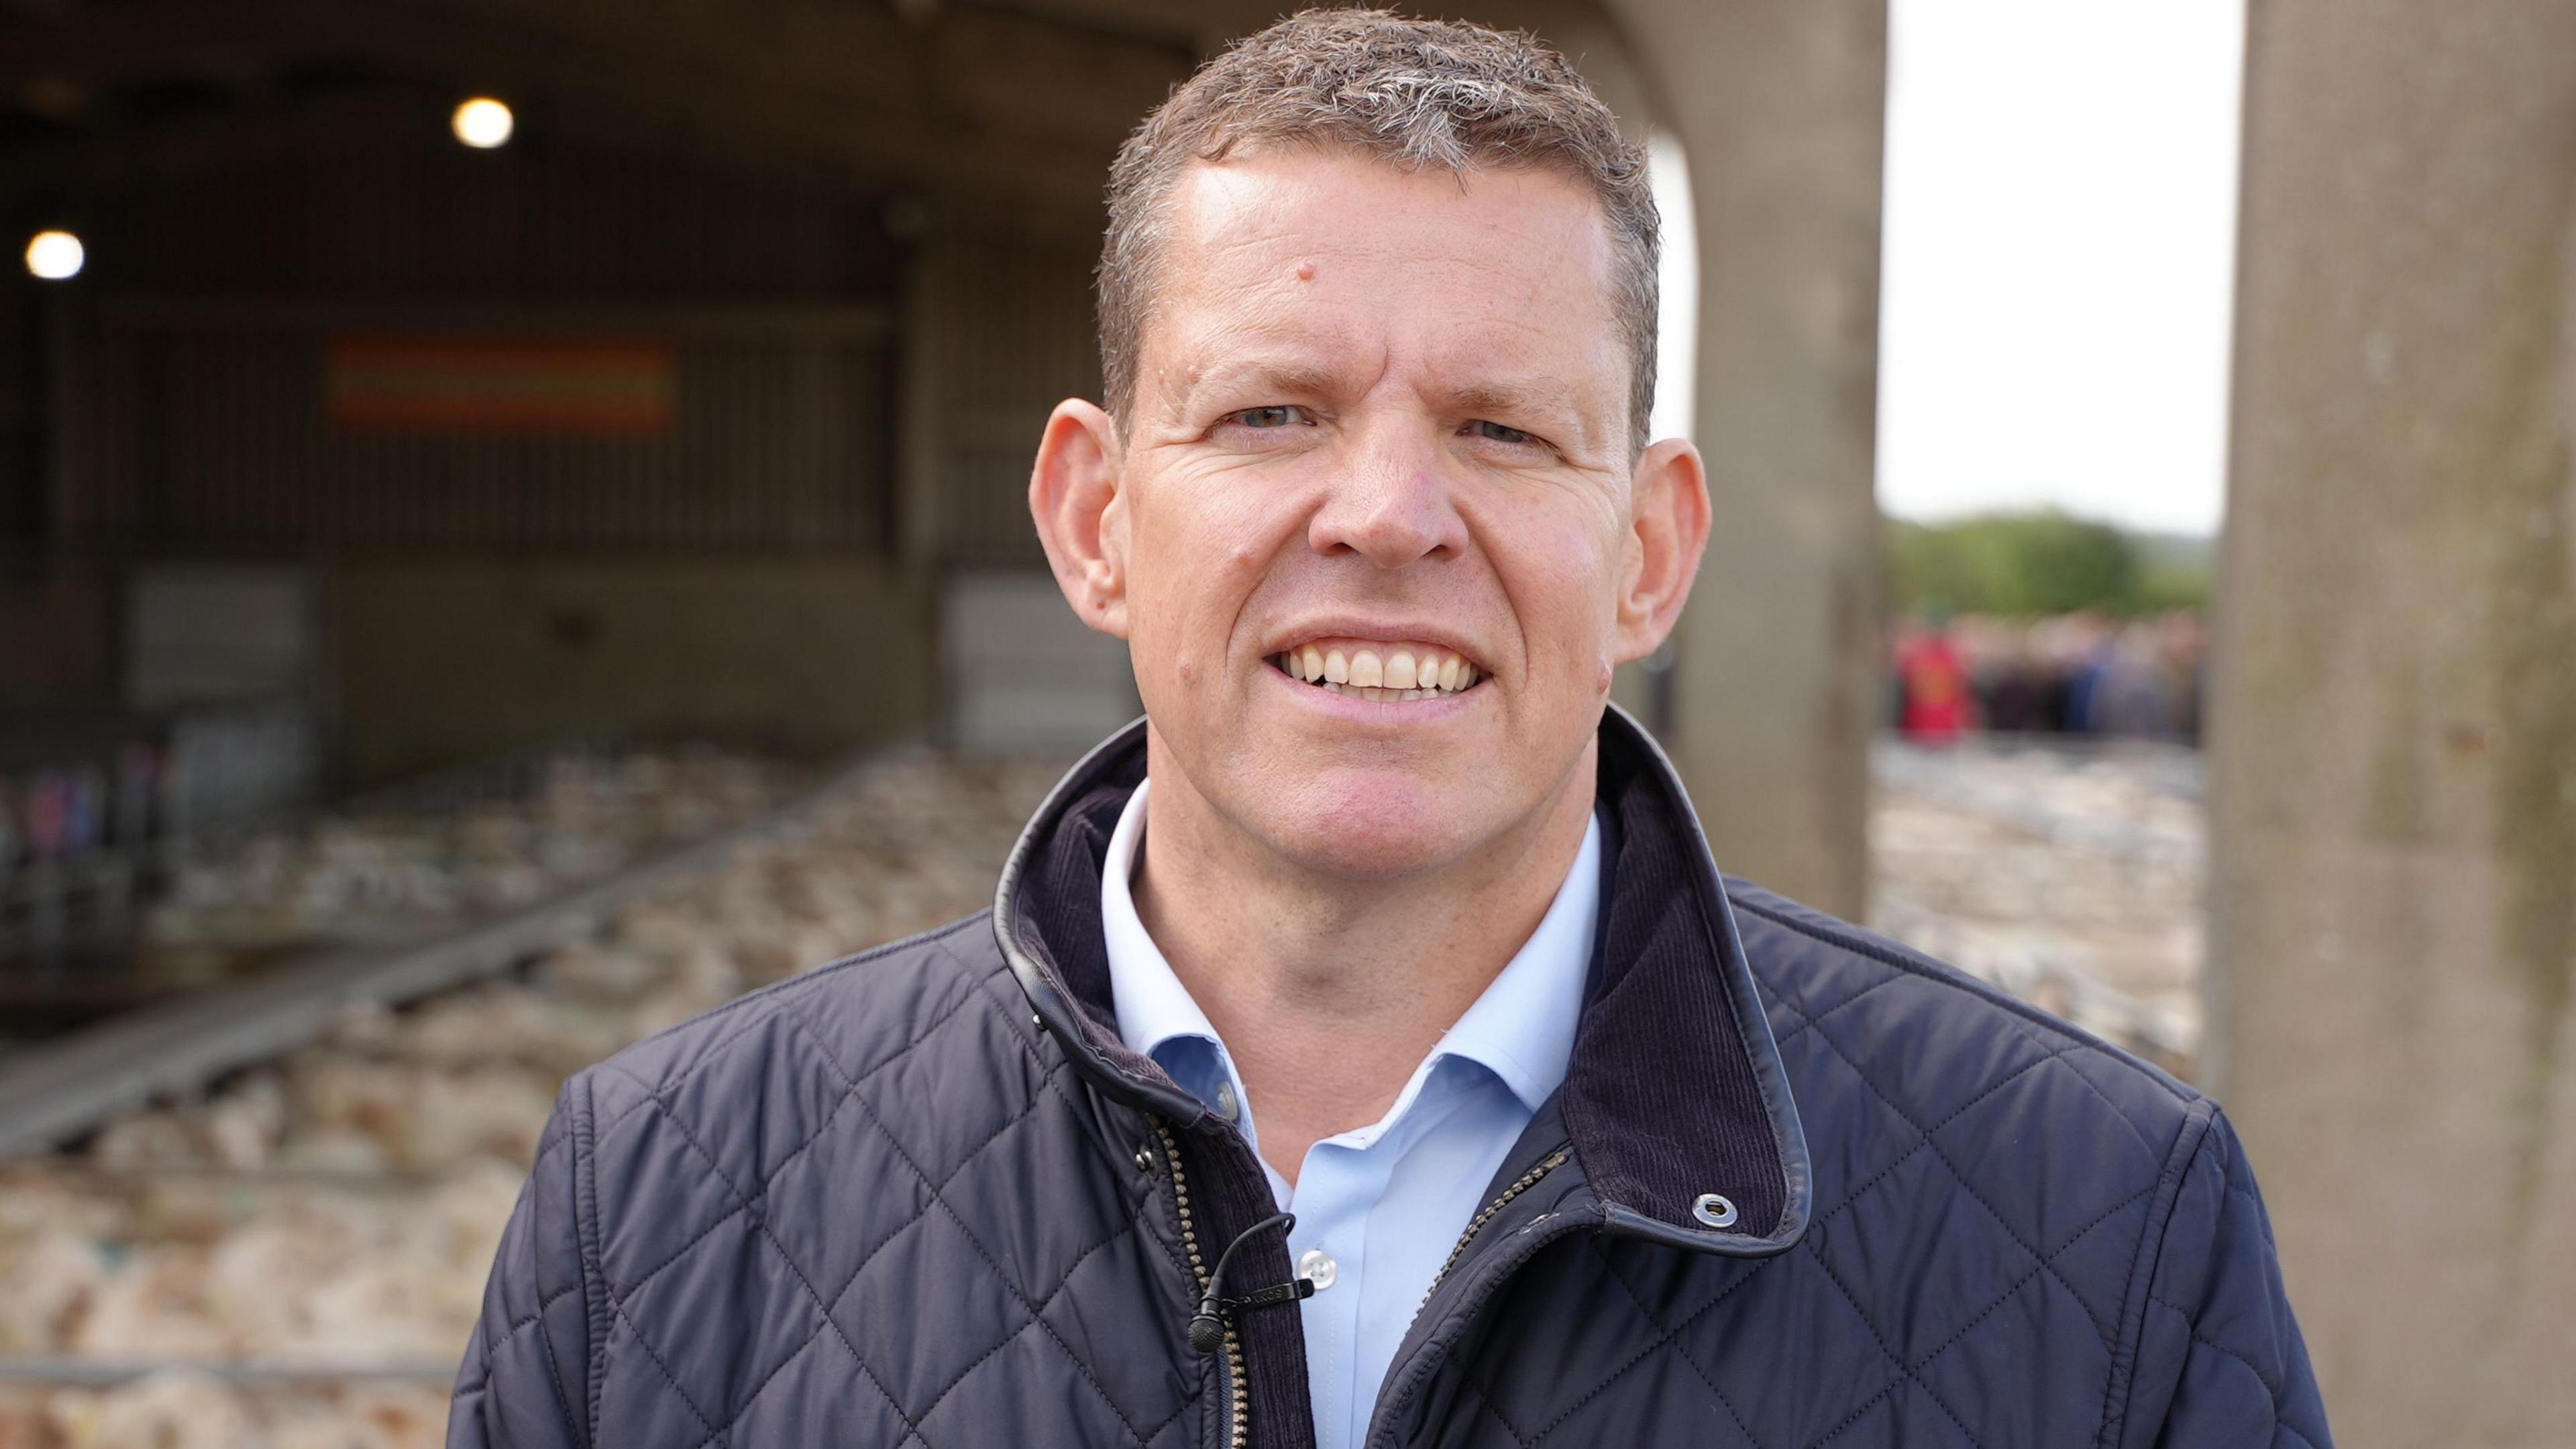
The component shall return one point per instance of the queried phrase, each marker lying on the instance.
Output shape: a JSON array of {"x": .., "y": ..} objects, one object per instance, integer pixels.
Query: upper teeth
[{"x": 1380, "y": 671}]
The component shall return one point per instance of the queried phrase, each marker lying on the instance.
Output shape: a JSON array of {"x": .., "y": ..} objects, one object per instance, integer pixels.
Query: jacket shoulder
[
  {"x": 1918, "y": 1085},
  {"x": 887, "y": 992},
  {"x": 1928, "y": 1036},
  {"x": 733, "y": 1094}
]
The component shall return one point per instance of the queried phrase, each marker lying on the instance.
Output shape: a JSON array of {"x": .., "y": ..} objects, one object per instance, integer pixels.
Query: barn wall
[
  {"x": 206, "y": 434},
  {"x": 445, "y": 659},
  {"x": 202, "y": 356},
  {"x": 1000, "y": 330},
  {"x": 721, "y": 568}
]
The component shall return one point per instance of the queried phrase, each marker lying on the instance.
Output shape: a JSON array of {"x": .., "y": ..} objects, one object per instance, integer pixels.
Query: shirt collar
[{"x": 1521, "y": 1029}]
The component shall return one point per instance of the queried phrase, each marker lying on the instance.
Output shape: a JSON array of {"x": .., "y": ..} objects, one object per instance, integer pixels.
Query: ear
[
  {"x": 1668, "y": 525},
  {"x": 1081, "y": 513}
]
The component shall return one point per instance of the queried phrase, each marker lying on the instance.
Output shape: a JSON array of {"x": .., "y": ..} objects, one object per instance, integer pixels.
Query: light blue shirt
[{"x": 1378, "y": 1208}]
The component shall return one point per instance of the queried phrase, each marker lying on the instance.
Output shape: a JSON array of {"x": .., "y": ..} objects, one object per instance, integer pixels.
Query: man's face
[{"x": 1374, "y": 506}]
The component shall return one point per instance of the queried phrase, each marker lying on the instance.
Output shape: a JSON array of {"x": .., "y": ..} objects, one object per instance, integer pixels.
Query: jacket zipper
[
  {"x": 1476, "y": 1224},
  {"x": 1238, "y": 1393}
]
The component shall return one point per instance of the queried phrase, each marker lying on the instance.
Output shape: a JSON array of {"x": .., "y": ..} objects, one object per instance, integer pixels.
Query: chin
[{"x": 1367, "y": 825}]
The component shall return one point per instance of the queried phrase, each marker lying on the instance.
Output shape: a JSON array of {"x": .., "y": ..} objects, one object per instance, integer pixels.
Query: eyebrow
[
  {"x": 1268, "y": 374},
  {"x": 1549, "y": 398},
  {"x": 1536, "y": 395}
]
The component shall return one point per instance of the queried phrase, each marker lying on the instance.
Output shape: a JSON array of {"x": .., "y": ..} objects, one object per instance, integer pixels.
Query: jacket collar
[{"x": 1674, "y": 1093}]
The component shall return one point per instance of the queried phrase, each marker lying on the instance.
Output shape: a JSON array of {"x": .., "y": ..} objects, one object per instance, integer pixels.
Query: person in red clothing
[{"x": 1935, "y": 682}]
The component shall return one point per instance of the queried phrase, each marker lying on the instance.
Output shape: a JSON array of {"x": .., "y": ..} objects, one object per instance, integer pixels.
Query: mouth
[{"x": 1380, "y": 671}]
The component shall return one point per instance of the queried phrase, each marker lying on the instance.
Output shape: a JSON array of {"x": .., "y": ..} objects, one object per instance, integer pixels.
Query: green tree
[{"x": 2038, "y": 563}]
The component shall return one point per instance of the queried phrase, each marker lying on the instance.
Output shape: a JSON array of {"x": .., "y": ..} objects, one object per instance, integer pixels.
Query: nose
[{"x": 1390, "y": 504}]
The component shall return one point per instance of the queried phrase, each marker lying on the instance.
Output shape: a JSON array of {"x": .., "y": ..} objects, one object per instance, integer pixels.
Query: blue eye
[
  {"x": 1496, "y": 432},
  {"x": 1276, "y": 416}
]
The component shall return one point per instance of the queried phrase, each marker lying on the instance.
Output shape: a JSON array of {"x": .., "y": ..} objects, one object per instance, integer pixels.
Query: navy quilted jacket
[{"x": 924, "y": 1196}]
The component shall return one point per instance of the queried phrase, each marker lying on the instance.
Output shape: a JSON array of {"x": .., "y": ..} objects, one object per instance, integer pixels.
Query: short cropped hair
[{"x": 1413, "y": 93}]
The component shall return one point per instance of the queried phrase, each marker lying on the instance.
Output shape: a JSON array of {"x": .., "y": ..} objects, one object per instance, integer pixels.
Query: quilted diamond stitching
[
  {"x": 1688, "y": 1357},
  {"x": 2020, "y": 1015},
  {"x": 1016, "y": 1291},
  {"x": 2070, "y": 1044},
  {"x": 2043, "y": 1262},
  {"x": 963, "y": 1163},
  {"x": 1051, "y": 1076},
  {"x": 2092, "y": 1050},
  {"x": 483, "y": 1370},
  {"x": 2091, "y": 1313},
  {"x": 874, "y": 1379},
  {"x": 1485, "y": 1402},
  {"x": 761, "y": 1226},
  {"x": 851, "y": 1090},
  {"x": 554, "y": 1375},
  {"x": 781, "y": 998},
  {"x": 653, "y": 1355},
  {"x": 1808, "y": 1019},
  {"x": 1855, "y": 1195},
  {"x": 1961, "y": 1334},
  {"x": 1053, "y": 1079},
  {"x": 2270, "y": 1389},
  {"x": 1007, "y": 1339},
  {"x": 912, "y": 1423},
  {"x": 1923, "y": 1134},
  {"x": 1904, "y": 1370},
  {"x": 654, "y": 1098},
  {"x": 1862, "y": 1409}
]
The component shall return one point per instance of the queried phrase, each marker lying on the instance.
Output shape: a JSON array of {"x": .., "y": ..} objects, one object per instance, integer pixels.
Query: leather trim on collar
[{"x": 1675, "y": 1088}]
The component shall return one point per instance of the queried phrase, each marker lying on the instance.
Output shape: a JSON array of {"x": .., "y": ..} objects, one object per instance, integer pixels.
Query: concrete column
[
  {"x": 1779, "y": 105},
  {"x": 2394, "y": 788}
]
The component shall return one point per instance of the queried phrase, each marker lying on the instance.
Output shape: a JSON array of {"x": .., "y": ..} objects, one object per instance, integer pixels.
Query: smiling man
[{"x": 1362, "y": 1049}]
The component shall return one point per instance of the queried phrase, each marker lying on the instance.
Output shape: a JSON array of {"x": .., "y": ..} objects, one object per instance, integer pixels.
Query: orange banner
[{"x": 428, "y": 384}]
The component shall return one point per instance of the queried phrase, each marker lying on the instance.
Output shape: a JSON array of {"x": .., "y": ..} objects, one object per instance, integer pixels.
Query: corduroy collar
[{"x": 1675, "y": 1089}]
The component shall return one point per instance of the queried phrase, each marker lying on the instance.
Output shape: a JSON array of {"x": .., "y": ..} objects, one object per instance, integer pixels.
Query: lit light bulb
[
  {"x": 483, "y": 123},
  {"x": 55, "y": 256}
]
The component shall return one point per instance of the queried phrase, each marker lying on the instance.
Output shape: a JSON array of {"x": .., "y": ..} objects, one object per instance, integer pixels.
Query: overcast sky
[{"x": 2061, "y": 197}]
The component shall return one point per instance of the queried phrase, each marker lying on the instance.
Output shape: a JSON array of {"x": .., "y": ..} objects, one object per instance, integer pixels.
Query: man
[{"x": 1383, "y": 920}]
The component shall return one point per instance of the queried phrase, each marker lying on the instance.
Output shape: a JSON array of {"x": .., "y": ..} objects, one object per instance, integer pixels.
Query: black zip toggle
[{"x": 1207, "y": 1326}]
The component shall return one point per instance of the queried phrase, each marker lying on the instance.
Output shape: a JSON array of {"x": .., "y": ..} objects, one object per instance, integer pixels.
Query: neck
[{"x": 1330, "y": 990}]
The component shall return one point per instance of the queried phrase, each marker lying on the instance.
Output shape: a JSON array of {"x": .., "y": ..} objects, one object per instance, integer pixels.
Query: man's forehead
[
  {"x": 1284, "y": 267},
  {"x": 1253, "y": 209}
]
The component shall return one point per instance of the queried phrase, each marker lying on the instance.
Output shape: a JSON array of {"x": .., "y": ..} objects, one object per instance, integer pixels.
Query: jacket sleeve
[
  {"x": 523, "y": 1384},
  {"x": 2220, "y": 1361}
]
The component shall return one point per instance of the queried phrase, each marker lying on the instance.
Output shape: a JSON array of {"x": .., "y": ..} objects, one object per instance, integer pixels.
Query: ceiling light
[
  {"x": 483, "y": 123},
  {"x": 55, "y": 256}
]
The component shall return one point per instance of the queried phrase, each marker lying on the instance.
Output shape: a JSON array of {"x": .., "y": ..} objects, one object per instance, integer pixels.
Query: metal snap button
[{"x": 1714, "y": 1210}]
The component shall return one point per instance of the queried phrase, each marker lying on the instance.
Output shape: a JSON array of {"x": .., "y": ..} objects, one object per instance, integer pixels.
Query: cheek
[
  {"x": 1200, "y": 547},
  {"x": 1564, "y": 581}
]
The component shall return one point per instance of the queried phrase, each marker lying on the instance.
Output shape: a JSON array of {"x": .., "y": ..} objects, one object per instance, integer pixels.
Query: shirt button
[
  {"x": 1227, "y": 1105},
  {"x": 1318, "y": 1268}
]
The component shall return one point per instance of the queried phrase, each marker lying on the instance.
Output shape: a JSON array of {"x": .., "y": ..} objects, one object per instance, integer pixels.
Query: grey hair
[{"x": 1419, "y": 94}]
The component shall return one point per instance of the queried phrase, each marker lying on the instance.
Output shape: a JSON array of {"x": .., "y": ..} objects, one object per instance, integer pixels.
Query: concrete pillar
[
  {"x": 1779, "y": 105},
  {"x": 2394, "y": 787}
]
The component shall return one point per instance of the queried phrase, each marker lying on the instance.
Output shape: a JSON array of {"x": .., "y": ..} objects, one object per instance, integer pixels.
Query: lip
[
  {"x": 1351, "y": 708},
  {"x": 1392, "y": 631}
]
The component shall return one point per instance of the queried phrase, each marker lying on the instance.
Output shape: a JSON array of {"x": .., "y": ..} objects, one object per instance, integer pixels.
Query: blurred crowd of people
[{"x": 2076, "y": 674}]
